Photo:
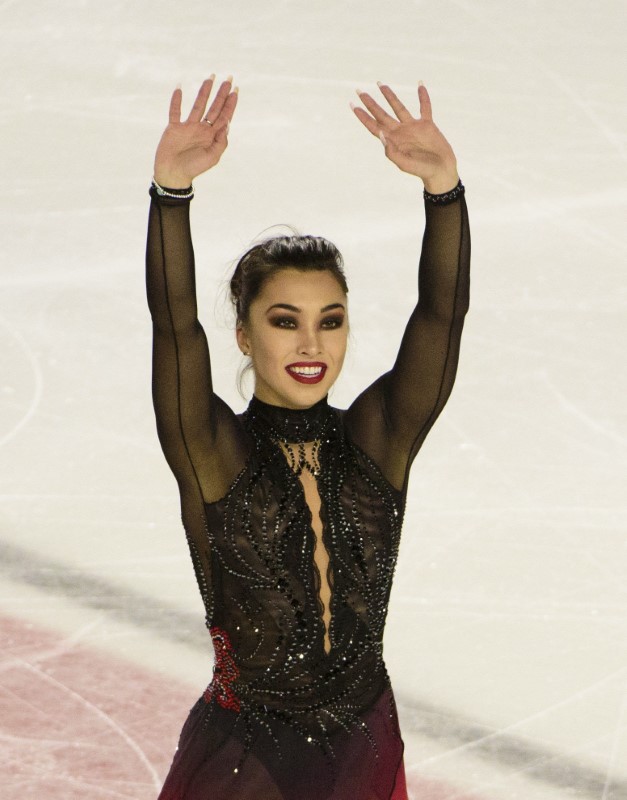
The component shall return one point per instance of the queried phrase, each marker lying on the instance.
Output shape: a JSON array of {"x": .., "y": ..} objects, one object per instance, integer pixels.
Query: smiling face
[{"x": 296, "y": 335}]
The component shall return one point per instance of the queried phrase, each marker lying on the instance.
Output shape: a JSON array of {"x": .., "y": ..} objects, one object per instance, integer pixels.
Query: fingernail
[
  {"x": 420, "y": 83},
  {"x": 360, "y": 92},
  {"x": 236, "y": 90},
  {"x": 229, "y": 79},
  {"x": 178, "y": 86},
  {"x": 352, "y": 105},
  {"x": 212, "y": 77},
  {"x": 379, "y": 84}
]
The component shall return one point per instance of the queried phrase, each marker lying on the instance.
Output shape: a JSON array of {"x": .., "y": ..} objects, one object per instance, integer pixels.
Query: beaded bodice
[{"x": 266, "y": 602}]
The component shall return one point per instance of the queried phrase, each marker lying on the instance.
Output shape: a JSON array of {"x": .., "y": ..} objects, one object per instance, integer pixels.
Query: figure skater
[{"x": 293, "y": 509}]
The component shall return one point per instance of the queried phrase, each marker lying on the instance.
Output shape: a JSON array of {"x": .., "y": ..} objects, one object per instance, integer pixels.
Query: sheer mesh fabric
[{"x": 284, "y": 716}]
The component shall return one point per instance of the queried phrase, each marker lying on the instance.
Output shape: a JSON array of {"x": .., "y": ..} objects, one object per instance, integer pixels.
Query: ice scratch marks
[
  {"x": 101, "y": 715},
  {"x": 494, "y": 736},
  {"x": 577, "y": 98},
  {"x": 77, "y": 722},
  {"x": 31, "y": 358},
  {"x": 576, "y": 95},
  {"x": 46, "y": 654},
  {"x": 619, "y": 738},
  {"x": 518, "y": 757},
  {"x": 588, "y": 421}
]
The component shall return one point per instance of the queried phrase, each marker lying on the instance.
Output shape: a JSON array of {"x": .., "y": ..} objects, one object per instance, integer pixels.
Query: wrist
[
  {"x": 172, "y": 180},
  {"x": 442, "y": 182},
  {"x": 445, "y": 198}
]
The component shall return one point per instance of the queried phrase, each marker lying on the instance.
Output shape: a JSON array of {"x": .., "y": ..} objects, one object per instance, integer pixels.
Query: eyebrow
[{"x": 296, "y": 310}]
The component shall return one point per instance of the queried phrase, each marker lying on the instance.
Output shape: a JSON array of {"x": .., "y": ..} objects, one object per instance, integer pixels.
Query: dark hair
[{"x": 305, "y": 253}]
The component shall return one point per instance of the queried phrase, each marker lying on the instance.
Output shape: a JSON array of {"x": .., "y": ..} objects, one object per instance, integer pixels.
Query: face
[{"x": 296, "y": 336}]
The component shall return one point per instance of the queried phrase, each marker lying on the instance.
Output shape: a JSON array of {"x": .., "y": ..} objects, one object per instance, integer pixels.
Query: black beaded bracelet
[
  {"x": 447, "y": 197},
  {"x": 181, "y": 194}
]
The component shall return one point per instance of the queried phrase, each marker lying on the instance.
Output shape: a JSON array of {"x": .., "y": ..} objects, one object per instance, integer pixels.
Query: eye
[
  {"x": 283, "y": 322},
  {"x": 330, "y": 323}
]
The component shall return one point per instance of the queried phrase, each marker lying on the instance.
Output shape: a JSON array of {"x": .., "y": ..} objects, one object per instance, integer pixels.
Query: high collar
[{"x": 292, "y": 424}]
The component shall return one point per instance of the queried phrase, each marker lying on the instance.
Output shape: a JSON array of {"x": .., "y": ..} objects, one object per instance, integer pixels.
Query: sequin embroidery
[
  {"x": 225, "y": 671},
  {"x": 268, "y": 604}
]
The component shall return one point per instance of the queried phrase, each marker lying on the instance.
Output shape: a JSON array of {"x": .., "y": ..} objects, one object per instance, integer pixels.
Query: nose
[{"x": 309, "y": 343}]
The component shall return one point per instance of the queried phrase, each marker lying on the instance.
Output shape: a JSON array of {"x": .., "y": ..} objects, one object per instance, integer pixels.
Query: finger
[
  {"x": 195, "y": 115},
  {"x": 397, "y": 107},
  {"x": 226, "y": 113},
  {"x": 219, "y": 100},
  {"x": 175, "y": 105},
  {"x": 381, "y": 116},
  {"x": 366, "y": 120},
  {"x": 223, "y": 122},
  {"x": 425, "y": 102}
]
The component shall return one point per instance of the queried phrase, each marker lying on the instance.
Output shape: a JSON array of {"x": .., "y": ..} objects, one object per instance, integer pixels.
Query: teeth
[{"x": 306, "y": 370}]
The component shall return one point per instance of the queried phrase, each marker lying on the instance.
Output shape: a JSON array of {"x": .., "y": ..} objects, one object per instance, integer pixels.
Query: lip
[{"x": 306, "y": 378}]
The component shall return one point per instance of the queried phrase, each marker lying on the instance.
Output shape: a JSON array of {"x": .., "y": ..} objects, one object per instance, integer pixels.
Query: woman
[{"x": 293, "y": 509}]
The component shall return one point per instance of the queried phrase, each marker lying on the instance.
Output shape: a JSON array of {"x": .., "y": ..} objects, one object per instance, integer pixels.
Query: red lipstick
[{"x": 306, "y": 371}]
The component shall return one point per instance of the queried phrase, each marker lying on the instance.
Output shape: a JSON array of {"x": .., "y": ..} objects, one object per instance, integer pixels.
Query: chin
[
  {"x": 290, "y": 393},
  {"x": 306, "y": 396},
  {"x": 301, "y": 395}
]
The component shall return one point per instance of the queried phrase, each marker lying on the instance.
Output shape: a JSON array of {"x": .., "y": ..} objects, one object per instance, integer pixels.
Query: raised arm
[
  {"x": 192, "y": 423},
  {"x": 392, "y": 417}
]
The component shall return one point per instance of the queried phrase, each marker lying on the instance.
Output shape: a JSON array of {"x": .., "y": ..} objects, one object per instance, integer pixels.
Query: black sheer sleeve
[
  {"x": 199, "y": 434},
  {"x": 392, "y": 417}
]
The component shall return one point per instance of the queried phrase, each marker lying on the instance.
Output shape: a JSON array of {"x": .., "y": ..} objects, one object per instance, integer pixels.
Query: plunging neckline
[
  {"x": 322, "y": 566},
  {"x": 299, "y": 434}
]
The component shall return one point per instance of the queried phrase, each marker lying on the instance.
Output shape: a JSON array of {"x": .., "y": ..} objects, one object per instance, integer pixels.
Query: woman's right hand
[{"x": 189, "y": 148}]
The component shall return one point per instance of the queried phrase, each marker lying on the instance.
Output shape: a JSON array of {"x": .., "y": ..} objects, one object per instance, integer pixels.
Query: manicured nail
[
  {"x": 379, "y": 84},
  {"x": 178, "y": 86},
  {"x": 236, "y": 90},
  {"x": 212, "y": 77},
  {"x": 353, "y": 106},
  {"x": 229, "y": 79},
  {"x": 360, "y": 92},
  {"x": 420, "y": 83}
]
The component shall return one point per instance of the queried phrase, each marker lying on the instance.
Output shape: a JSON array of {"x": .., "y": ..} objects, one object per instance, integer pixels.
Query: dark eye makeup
[
  {"x": 283, "y": 322},
  {"x": 335, "y": 321},
  {"x": 328, "y": 323}
]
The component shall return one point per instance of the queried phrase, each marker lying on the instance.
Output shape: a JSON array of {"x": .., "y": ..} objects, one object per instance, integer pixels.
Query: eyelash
[{"x": 289, "y": 323}]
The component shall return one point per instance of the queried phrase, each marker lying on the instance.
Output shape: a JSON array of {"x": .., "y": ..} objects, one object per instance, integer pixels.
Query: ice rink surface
[{"x": 507, "y": 633}]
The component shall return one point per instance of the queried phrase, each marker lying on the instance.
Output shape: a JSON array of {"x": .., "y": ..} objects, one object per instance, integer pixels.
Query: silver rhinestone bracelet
[{"x": 180, "y": 194}]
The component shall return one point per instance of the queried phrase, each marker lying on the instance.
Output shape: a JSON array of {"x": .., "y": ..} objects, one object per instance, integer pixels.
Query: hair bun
[{"x": 260, "y": 262}]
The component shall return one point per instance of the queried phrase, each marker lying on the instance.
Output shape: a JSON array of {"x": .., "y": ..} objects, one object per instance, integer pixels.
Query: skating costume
[{"x": 296, "y": 593}]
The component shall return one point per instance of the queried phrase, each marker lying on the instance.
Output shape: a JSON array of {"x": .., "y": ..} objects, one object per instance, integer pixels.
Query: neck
[{"x": 291, "y": 424}]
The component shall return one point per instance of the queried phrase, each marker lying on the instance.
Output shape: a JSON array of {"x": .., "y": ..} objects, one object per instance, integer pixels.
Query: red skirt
[{"x": 280, "y": 764}]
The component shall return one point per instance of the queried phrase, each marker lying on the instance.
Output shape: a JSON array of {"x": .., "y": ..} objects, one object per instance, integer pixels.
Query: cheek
[
  {"x": 269, "y": 348},
  {"x": 338, "y": 348}
]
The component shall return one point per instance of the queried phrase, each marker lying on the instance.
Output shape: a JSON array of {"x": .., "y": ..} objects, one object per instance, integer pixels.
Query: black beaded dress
[{"x": 300, "y": 706}]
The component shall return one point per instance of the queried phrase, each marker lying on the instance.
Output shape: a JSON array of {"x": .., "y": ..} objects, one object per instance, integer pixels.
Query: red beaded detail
[{"x": 225, "y": 671}]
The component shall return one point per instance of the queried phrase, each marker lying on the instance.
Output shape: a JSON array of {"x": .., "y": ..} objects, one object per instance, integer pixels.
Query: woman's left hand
[{"x": 415, "y": 145}]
